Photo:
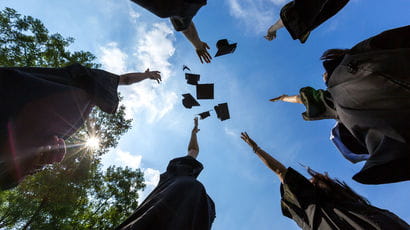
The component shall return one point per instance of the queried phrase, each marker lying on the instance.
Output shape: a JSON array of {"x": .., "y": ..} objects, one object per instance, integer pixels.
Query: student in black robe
[
  {"x": 40, "y": 107},
  {"x": 300, "y": 17},
  {"x": 324, "y": 203},
  {"x": 180, "y": 201},
  {"x": 180, "y": 12},
  {"x": 368, "y": 91}
]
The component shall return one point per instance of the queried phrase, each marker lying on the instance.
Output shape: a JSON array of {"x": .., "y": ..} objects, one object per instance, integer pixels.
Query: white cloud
[
  {"x": 122, "y": 158},
  {"x": 256, "y": 15},
  {"x": 113, "y": 59},
  {"x": 231, "y": 132},
  {"x": 151, "y": 177},
  {"x": 154, "y": 48},
  {"x": 133, "y": 14}
]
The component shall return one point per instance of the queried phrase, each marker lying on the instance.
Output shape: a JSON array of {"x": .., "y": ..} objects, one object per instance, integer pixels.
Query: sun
[{"x": 93, "y": 143}]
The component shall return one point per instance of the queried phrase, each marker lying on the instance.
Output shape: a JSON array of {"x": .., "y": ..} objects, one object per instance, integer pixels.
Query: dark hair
[
  {"x": 333, "y": 54},
  {"x": 332, "y": 58},
  {"x": 333, "y": 190}
]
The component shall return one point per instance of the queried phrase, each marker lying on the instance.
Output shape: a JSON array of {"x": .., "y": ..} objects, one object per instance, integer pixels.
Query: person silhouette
[{"x": 40, "y": 107}]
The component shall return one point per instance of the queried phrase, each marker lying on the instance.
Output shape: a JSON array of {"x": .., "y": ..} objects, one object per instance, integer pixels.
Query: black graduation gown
[
  {"x": 180, "y": 12},
  {"x": 179, "y": 202},
  {"x": 302, "y": 203},
  {"x": 302, "y": 16},
  {"x": 369, "y": 92},
  {"x": 38, "y": 103}
]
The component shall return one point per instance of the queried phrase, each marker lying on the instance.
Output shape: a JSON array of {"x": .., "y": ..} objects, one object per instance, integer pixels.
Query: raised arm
[
  {"x": 131, "y": 78},
  {"x": 267, "y": 159},
  {"x": 286, "y": 98},
  {"x": 193, "y": 148},
  {"x": 201, "y": 47}
]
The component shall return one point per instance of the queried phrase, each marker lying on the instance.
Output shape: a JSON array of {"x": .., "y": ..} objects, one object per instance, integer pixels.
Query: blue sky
[{"x": 126, "y": 38}]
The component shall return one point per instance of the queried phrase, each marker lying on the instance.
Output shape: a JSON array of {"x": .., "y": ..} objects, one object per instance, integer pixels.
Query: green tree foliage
[{"x": 75, "y": 193}]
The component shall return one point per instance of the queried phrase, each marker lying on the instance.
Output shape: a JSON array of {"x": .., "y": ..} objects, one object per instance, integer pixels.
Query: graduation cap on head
[
  {"x": 222, "y": 111},
  {"x": 224, "y": 47},
  {"x": 205, "y": 114},
  {"x": 205, "y": 91},
  {"x": 192, "y": 79},
  {"x": 189, "y": 101}
]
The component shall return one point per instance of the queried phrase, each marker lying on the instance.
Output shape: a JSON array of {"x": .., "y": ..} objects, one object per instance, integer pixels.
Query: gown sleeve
[
  {"x": 391, "y": 39},
  {"x": 318, "y": 104},
  {"x": 302, "y": 16},
  {"x": 188, "y": 11},
  {"x": 298, "y": 198},
  {"x": 99, "y": 84}
]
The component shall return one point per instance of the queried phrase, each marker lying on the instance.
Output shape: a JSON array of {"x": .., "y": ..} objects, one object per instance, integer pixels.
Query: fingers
[
  {"x": 245, "y": 136},
  {"x": 207, "y": 56},
  {"x": 203, "y": 54},
  {"x": 277, "y": 98},
  {"x": 269, "y": 38},
  {"x": 200, "y": 57}
]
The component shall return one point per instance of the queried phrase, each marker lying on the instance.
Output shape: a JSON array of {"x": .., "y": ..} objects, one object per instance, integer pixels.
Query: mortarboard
[
  {"x": 204, "y": 115},
  {"x": 192, "y": 79},
  {"x": 224, "y": 47},
  {"x": 205, "y": 91},
  {"x": 222, "y": 111},
  {"x": 189, "y": 101},
  {"x": 184, "y": 67}
]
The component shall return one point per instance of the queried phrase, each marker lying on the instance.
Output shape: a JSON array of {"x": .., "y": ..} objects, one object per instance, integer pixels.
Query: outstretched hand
[
  {"x": 195, "y": 129},
  {"x": 202, "y": 52},
  {"x": 153, "y": 75},
  {"x": 280, "y": 98},
  {"x": 270, "y": 35},
  {"x": 245, "y": 137}
]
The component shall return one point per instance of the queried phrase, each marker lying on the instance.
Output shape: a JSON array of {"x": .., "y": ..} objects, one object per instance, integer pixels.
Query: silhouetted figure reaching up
[
  {"x": 322, "y": 203},
  {"x": 179, "y": 201},
  {"x": 300, "y": 17},
  {"x": 40, "y": 107},
  {"x": 368, "y": 92},
  {"x": 180, "y": 12}
]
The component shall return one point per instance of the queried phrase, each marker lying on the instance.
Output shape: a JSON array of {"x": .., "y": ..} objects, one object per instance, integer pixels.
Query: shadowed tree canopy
[{"x": 75, "y": 193}]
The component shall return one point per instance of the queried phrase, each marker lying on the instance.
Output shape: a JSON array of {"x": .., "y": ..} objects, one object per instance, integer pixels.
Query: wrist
[{"x": 256, "y": 149}]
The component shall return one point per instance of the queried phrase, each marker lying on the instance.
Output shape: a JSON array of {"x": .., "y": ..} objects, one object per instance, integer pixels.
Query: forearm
[
  {"x": 130, "y": 78},
  {"x": 192, "y": 35},
  {"x": 193, "y": 148},
  {"x": 292, "y": 99},
  {"x": 272, "y": 163}
]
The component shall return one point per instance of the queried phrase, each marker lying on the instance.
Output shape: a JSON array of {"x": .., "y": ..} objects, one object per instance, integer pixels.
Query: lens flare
[{"x": 93, "y": 143}]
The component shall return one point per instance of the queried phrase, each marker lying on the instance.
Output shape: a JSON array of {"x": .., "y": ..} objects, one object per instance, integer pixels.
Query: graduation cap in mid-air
[
  {"x": 224, "y": 47},
  {"x": 189, "y": 101},
  {"x": 184, "y": 67},
  {"x": 205, "y": 114},
  {"x": 222, "y": 111},
  {"x": 205, "y": 91},
  {"x": 191, "y": 78}
]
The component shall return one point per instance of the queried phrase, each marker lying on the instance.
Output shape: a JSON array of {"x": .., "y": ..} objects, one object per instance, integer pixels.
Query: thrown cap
[
  {"x": 205, "y": 91},
  {"x": 222, "y": 111},
  {"x": 204, "y": 115},
  {"x": 184, "y": 67},
  {"x": 224, "y": 47},
  {"x": 189, "y": 101},
  {"x": 192, "y": 79}
]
